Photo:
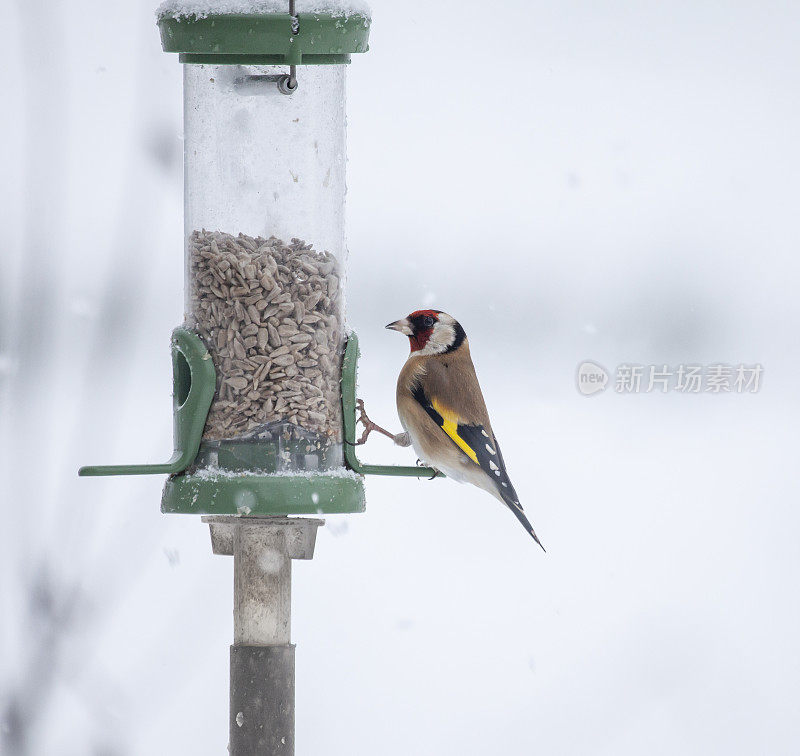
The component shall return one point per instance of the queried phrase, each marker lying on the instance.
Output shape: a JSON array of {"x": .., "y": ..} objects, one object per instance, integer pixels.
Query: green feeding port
[
  {"x": 193, "y": 389},
  {"x": 349, "y": 389}
]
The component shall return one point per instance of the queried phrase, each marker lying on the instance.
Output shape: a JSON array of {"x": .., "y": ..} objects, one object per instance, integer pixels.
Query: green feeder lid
[{"x": 261, "y": 32}]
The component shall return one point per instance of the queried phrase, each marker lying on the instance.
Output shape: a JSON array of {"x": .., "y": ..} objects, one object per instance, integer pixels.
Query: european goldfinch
[{"x": 442, "y": 410}]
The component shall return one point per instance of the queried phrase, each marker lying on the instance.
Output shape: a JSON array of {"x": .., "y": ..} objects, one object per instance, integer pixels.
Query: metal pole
[{"x": 262, "y": 655}]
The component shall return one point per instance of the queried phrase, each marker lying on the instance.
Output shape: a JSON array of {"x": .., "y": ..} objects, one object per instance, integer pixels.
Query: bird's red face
[{"x": 430, "y": 331}]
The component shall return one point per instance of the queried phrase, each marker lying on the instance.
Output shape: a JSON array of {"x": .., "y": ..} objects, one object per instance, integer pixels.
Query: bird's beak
[{"x": 403, "y": 326}]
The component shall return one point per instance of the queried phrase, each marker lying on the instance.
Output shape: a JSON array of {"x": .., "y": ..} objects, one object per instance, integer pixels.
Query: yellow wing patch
[{"x": 450, "y": 427}]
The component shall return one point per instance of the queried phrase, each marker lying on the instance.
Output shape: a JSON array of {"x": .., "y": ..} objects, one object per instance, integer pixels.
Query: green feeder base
[{"x": 228, "y": 493}]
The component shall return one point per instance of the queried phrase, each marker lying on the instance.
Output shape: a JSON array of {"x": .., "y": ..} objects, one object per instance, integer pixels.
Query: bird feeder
[
  {"x": 263, "y": 420},
  {"x": 264, "y": 371}
]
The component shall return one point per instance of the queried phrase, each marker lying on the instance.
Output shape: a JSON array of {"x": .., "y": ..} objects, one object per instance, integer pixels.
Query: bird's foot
[
  {"x": 369, "y": 426},
  {"x": 420, "y": 463}
]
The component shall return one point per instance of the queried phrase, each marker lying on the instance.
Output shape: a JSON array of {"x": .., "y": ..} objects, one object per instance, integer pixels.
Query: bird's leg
[{"x": 401, "y": 439}]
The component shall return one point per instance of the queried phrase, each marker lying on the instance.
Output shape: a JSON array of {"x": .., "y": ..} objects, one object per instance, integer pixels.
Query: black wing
[{"x": 479, "y": 446}]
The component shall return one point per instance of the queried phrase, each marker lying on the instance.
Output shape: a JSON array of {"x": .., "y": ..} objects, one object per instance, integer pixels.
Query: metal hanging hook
[{"x": 287, "y": 84}]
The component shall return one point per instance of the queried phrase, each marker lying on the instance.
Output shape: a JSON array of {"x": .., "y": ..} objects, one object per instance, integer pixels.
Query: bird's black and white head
[{"x": 430, "y": 332}]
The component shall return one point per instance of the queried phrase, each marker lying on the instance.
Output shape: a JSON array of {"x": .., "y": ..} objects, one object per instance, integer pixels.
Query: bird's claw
[
  {"x": 420, "y": 463},
  {"x": 362, "y": 418},
  {"x": 369, "y": 426}
]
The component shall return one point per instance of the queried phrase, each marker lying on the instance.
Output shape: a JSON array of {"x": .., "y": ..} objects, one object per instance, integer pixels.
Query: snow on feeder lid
[{"x": 257, "y": 363}]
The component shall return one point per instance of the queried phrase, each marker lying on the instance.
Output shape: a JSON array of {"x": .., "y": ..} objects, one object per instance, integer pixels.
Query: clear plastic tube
[{"x": 264, "y": 224}]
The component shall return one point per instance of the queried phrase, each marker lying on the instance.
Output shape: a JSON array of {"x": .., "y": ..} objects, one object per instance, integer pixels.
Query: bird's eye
[{"x": 428, "y": 321}]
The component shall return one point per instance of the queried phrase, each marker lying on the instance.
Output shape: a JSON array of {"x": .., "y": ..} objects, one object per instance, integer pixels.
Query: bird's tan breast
[{"x": 448, "y": 381}]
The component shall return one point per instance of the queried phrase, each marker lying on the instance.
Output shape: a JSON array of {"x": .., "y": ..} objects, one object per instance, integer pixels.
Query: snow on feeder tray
[{"x": 264, "y": 373}]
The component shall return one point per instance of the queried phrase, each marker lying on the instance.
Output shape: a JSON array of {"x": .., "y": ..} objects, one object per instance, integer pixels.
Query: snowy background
[{"x": 607, "y": 181}]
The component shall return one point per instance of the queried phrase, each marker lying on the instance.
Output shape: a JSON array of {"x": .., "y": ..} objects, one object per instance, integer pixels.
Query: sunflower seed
[{"x": 270, "y": 313}]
